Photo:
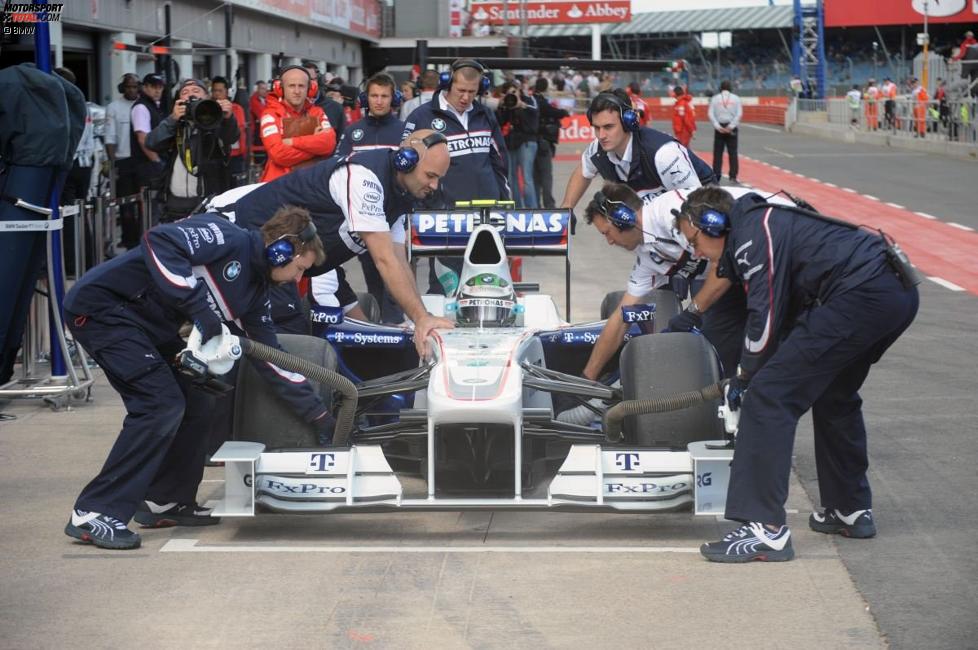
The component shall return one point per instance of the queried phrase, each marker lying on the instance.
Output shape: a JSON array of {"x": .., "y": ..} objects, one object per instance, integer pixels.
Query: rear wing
[{"x": 524, "y": 232}]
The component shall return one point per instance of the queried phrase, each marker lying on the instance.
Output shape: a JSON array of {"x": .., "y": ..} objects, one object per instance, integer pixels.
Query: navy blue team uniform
[
  {"x": 371, "y": 132},
  {"x": 823, "y": 305},
  {"x": 479, "y": 167},
  {"x": 723, "y": 322},
  {"x": 127, "y": 313},
  {"x": 309, "y": 188}
]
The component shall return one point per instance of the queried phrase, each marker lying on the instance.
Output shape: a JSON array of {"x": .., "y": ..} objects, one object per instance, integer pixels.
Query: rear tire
[
  {"x": 369, "y": 305},
  {"x": 261, "y": 416},
  {"x": 666, "y": 305},
  {"x": 661, "y": 365}
]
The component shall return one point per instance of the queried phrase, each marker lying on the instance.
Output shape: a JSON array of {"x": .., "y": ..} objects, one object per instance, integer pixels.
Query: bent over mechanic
[
  {"x": 127, "y": 314},
  {"x": 825, "y": 300}
]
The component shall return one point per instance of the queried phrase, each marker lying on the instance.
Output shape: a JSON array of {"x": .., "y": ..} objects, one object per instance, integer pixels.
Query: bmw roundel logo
[
  {"x": 232, "y": 270},
  {"x": 438, "y": 124},
  {"x": 357, "y": 134}
]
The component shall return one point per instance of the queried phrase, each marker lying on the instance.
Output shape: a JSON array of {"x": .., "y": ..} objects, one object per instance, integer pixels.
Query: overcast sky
[{"x": 639, "y": 6}]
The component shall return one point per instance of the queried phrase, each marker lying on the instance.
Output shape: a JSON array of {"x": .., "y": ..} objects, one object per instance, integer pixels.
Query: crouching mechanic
[
  {"x": 127, "y": 314},
  {"x": 825, "y": 300},
  {"x": 357, "y": 203},
  {"x": 663, "y": 254}
]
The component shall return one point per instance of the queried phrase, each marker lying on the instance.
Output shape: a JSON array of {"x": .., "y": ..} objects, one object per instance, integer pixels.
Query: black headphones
[
  {"x": 618, "y": 213},
  {"x": 630, "y": 119},
  {"x": 122, "y": 83},
  {"x": 407, "y": 158},
  {"x": 282, "y": 251},
  {"x": 445, "y": 78},
  {"x": 380, "y": 78}
]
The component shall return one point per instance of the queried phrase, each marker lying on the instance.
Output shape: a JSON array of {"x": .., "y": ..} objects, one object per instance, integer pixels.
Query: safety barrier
[{"x": 951, "y": 121}]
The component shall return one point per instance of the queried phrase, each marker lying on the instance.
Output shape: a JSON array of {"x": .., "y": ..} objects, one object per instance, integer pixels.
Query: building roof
[{"x": 666, "y": 22}]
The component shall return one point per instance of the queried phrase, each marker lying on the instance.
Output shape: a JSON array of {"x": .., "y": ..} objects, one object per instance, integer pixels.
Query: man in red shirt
[
  {"x": 237, "y": 161},
  {"x": 683, "y": 117},
  {"x": 291, "y": 99},
  {"x": 256, "y": 106},
  {"x": 969, "y": 41}
]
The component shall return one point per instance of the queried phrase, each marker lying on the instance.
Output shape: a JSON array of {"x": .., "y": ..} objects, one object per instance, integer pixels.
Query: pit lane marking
[
  {"x": 190, "y": 546},
  {"x": 944, "y": 283},
  {"x": 926, "y": 216},
  {"x": 960, "y": 226},
  {"x": 895, "y": 205}
]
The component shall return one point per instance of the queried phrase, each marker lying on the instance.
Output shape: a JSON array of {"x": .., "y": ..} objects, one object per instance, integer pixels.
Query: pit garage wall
[{"x": 257, "y": 37}]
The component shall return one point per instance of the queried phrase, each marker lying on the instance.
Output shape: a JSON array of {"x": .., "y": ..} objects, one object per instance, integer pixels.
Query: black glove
[
  {"x": 685, "y": 321},
  {"x": 324, "y": 426},
  {"x": 209, "y": 327},
  {"x": 734, "y": 394}
]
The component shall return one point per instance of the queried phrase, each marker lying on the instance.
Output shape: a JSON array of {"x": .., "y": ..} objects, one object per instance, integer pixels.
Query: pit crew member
[
  {"x": 380, "y": 129},
  {"x": 648, "y": 161},
  {"x": 825, "y": 300},
  {"x": 479, "y": 166},
  {"x": 127, "y": 313},
  {"x": 357, "y": 203},
  {"x": 662, "y": 254}
]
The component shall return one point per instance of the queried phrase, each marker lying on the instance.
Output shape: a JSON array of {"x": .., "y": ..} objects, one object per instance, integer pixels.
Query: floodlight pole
[{"x": 925, "y": 64}]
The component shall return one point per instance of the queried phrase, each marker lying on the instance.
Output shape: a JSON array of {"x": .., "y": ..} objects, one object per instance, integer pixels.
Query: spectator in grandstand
[
  {"x": 725, "y": 113},
  {"x": 238, "y": 162},
  {"x": 429, "y": 84},
  {"x": 683, "y": 116},
  {"x": 969, "y": 41},
  {"x": 547, "y": 140},
  {"x": 118, "y": 127},
  {"x": 332, "y": 107},
  {"x": 479, "y": 164},
  {"x": 519, "y": 120},
  {"x": 889, "y": 92},
  {"x": 256, "y": 107},
  {"x": 294, "y": 131}
]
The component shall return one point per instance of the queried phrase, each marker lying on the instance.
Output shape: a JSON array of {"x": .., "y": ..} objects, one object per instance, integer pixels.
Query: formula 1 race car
[{"x": 499, "y": 415}]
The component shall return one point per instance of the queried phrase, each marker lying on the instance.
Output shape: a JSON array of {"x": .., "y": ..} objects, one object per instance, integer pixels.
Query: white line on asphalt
[
  {"x": 763, "y": 128},
  {"x": 961, "y": 226},
  {"x": 944, "y": 283},
  {"x": 190, "y": 546},
  {"x": 830, "y": 184},
  {"x": 925, "y": 215},
  {"x": 871, "y": 197},
  {"x": 779, "y": 152},
  {"x": 849, "y": 189},
  {"x": 895, "y": 205}
]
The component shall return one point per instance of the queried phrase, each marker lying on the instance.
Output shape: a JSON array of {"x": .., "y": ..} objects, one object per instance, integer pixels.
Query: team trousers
[{"x": 820, "y": 365}]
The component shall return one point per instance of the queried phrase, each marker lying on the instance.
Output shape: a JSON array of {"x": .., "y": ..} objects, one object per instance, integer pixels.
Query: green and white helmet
[{"x": 486, "y": 300}]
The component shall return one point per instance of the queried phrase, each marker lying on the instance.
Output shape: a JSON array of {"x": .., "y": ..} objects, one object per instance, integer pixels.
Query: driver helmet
[{"x": 487, "y": 300}]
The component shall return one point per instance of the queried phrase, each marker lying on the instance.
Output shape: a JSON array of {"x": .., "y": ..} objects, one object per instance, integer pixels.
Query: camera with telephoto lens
[
  {"x": 509, "y": 100},
  {"x": 203, "y": 113}
]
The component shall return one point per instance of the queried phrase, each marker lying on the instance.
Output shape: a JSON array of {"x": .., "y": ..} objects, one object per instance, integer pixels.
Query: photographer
[
  {"x": 197, "y": 138},
  {"x": 519, "y": 120},
  {"x": 548, "y": 138}
]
